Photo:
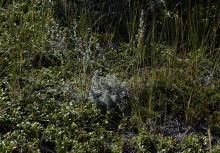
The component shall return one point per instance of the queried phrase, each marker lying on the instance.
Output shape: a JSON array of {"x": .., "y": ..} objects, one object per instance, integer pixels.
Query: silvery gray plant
[{"x": 109, "y": 93}]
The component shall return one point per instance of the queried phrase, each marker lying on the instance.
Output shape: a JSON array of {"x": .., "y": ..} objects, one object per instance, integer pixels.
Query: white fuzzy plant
[{"x": 108, "y": 93}]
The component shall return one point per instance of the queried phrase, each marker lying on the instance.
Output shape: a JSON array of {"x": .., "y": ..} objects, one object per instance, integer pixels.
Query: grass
[{"x": 168, "y": 56}]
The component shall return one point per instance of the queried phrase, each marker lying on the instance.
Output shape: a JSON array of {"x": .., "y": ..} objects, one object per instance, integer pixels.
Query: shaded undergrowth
[{"x": 167, "y": 55}]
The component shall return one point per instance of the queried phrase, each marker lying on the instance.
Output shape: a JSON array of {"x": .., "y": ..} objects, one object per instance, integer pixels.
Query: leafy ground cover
[{"x": 73, "y": 79}]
